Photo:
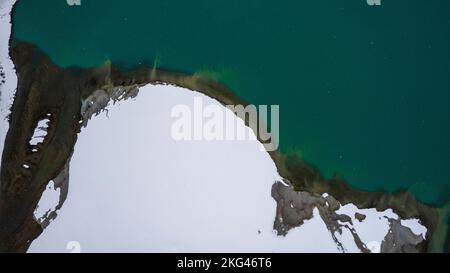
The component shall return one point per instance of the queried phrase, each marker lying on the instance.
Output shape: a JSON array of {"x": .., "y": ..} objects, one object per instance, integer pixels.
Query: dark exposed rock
[
  {"x": 2, "y": 75},
  {"x": 42, "y": 88},
  {"x": 360, "y": 216},
  {"x": 400, "y": 239}
]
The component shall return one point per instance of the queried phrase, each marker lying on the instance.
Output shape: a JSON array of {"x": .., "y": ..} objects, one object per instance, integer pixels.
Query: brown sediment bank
[{"x": 45, "y": 90}]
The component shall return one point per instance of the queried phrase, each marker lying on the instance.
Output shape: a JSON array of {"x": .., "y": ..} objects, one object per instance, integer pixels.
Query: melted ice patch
[
  {"x": 40, "y": 132},
  {"x": 48, "y": 202},
  {"x": 374, "y": 227},
  {"x": 415, "y": 226}
]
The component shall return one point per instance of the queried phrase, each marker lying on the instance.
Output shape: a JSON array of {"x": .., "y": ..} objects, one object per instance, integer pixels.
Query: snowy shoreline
[
  {"x": 218, "y": 199},
  {"x": 8, "y": 88}
]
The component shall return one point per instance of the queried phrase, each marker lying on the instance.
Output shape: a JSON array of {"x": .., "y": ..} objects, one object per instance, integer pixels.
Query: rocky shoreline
[{"x": 70, "y": 97}]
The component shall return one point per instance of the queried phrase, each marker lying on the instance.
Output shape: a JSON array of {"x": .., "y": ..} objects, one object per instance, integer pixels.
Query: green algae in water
[{"x": 364, "y": 91}]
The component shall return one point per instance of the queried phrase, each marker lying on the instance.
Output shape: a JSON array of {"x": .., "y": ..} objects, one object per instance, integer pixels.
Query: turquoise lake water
[{"x": 364, "y": 91}]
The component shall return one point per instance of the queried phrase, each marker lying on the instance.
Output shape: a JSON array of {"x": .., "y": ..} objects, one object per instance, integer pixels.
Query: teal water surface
[{"x": 364, "y": 91}]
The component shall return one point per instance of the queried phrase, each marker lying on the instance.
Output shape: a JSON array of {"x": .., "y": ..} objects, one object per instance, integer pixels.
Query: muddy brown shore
[{"x": 69, "y": 97}]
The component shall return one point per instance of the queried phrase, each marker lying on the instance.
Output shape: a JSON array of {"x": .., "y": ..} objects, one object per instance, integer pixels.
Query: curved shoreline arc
[{"x": 297, "y": 172}]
